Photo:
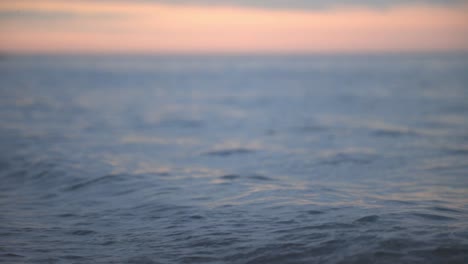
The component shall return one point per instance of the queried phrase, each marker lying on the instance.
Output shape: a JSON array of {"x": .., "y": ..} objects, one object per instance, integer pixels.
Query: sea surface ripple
[{"x": 234, "y": 159}]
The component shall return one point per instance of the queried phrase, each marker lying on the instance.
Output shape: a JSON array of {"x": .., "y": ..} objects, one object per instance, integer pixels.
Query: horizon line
[{"x": 232, "y": 53}]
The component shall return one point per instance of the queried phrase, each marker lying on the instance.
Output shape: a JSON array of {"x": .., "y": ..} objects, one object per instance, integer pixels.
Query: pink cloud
[{"x": 147, "y": 27}]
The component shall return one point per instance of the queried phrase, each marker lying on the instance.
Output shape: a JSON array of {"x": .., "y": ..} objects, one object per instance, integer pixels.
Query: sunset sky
[{"x": 232, "y": 26}]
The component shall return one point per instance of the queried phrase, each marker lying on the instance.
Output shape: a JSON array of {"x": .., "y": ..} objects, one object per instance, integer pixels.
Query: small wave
[
  {"x": 444, "y": 209},
  {"x": 315, "y": 212},
  {"x": 259, "y": 177},
  {"x": 67, "y": 215},
  {"x": 11, "y": 255},
  {"x": 41, "y": 174},
  {"x": 457, "y": 151},
  {"x": 351, "y": 156},
  {"x": 102, "y": 179},
  {"x": 451, "y": 251},
  {"x": 434, "y": 217},
  {"x": 333, "y": 226},
  {"x": 394, "y": 133},
  {"x": 401, "y": 202},
  {"x": 230, "y": 177},
  {"x": 73, "y": 257},
  {"x": 49, "y": 196},
  {"x": 82, "y": 232},
  {"x": 45, "y": 169},
  {"x": 108, "y": 243},
  {"x": 367, "y": 219},
  {"x": 229, "y": 152},
  {"x": 325, "y": 226}
]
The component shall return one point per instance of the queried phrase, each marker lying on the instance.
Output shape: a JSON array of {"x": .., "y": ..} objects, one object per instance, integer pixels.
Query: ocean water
[{"x": 234, "y": 159}]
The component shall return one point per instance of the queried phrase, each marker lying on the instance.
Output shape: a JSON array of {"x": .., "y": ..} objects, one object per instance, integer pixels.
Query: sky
[{"x": 232, "y": 26}]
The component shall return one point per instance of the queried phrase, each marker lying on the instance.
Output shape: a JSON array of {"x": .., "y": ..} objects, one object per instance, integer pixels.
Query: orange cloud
[{"x": 147, "y": 27}]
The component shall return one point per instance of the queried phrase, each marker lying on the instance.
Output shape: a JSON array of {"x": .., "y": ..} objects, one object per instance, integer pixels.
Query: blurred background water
[{"x": 234, "y": 159}]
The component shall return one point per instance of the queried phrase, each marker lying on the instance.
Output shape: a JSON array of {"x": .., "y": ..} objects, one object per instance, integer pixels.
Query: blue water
[{"x": 234, "y": 159}]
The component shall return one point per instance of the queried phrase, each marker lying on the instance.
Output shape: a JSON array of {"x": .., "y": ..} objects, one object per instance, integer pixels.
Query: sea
[{"x": 302, "y": 158}]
